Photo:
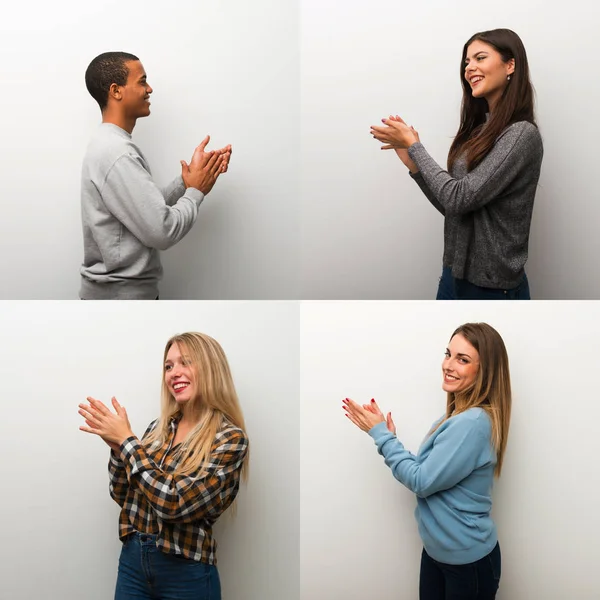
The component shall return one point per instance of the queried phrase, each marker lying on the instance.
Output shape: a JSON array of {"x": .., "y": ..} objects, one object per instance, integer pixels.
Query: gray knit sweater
[
  {"x": 487, "y": 211},
  {"x": 127, "y": 219}
]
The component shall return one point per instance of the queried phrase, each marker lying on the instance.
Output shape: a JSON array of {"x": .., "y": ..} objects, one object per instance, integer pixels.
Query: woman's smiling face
[
  {"x": 179, "y": 375},
  {"x": 486, "y": 72},
  {"x": 460, "y": 365}
]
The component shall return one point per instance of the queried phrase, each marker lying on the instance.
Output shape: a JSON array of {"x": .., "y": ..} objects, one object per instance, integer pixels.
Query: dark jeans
[
  {"x": 474, "y": 581},
  {"x": 147, "y": 573},
  {"x": 451, "y": 288}
]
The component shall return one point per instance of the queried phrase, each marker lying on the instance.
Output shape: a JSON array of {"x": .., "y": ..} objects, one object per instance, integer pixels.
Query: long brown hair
[
  {"x": 490, "y": 390},
  {"x": 515, "y": 104},
  {"x": 216, "y": 394}
]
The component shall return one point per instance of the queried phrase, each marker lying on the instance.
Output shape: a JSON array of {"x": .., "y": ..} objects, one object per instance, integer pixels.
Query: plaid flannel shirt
[{"x": 180, "y": 510}]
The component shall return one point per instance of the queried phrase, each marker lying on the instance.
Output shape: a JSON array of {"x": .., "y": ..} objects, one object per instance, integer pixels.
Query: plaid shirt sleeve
[
  {"x": 119, "y": 484},
  {"x": 189, "y": 498}
]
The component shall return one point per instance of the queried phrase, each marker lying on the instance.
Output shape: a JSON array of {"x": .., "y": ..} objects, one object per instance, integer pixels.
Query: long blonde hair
[
  {"x": 491, "y": 388},
  {"x": 216, "y": 395}
]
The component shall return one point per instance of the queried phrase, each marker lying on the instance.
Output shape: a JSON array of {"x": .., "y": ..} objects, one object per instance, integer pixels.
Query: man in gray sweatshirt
[{"x": 126, "y": 217}]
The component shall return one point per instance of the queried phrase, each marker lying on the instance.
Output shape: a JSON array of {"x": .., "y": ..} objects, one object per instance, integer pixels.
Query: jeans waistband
[{"x": 142, "y": 537}]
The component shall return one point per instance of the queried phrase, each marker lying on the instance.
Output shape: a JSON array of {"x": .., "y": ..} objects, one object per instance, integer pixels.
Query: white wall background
[
  {"x": 229, "y": 69},
  {"x": 59, "y": 522},
  {"x": 368, "y": 231},
  {"x": 359, "y": 537}
]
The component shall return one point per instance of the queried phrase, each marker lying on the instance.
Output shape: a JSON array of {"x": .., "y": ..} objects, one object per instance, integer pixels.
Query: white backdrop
[
  {"x": 368, "y": 231},
  {"x": 359, "y": 537},
  {"x": 59, "y": 523},
  {"x": 229, "y": 69}
]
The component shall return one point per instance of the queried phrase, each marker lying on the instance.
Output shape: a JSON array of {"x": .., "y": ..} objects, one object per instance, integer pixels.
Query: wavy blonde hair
[
  {"x": 490, "y": 390},
  {"x": 216, "y": 396}
]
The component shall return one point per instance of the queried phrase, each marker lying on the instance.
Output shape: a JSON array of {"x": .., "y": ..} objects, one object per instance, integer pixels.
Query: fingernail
[{"x": 372, "y": 399}]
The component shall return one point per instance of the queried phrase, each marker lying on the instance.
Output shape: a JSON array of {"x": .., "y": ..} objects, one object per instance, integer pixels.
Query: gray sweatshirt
[
  {"x": 127, "y": 219},
  {"x": 487, "y": 211}
]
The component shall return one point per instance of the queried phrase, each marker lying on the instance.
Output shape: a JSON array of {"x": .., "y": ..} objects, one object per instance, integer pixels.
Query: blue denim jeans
[
  {"x": 475, "y": 581},
  {"x": 451, "y": 288},
  {"x": 147, "y": 573}
]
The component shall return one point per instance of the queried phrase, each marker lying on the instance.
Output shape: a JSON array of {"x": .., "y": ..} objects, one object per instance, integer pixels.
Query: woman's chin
[{"x": 449, "y": 387}]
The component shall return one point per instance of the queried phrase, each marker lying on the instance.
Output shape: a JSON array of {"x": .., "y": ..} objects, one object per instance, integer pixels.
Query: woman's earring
[{"x": 508, "y": 78}]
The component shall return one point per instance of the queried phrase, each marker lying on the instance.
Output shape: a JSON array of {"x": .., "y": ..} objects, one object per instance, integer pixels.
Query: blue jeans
[
  {"x": 451, "y": 288},
  {"x": 474, "y": 581},
  {"x": 147, "y": 573}
]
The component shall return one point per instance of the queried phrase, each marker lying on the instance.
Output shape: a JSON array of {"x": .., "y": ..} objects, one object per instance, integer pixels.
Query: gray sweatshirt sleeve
[
  {"x": 516, "y": 148},
  {"x": 135, "y": 200},
  {"x": 425, "y": 189},
  {"x": 173, "y": 191}
]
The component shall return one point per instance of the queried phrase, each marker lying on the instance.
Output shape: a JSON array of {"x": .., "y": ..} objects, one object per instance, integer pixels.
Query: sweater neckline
[{"x": 117, "y": 129}]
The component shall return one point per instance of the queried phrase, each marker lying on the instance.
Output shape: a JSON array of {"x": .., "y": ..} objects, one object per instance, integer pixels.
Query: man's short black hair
[{"x": 103, "y": 71}]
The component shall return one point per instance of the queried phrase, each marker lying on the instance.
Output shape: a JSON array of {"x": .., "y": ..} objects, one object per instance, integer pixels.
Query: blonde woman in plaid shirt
[{"x": 174, "y": 483}]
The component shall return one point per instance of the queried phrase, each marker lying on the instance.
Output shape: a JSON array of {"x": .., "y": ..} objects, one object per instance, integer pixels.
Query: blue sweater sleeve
[{"x": 457, "y": 451}]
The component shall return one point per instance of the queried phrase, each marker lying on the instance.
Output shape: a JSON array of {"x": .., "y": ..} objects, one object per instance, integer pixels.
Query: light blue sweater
[{"x": 452, "y": 476}]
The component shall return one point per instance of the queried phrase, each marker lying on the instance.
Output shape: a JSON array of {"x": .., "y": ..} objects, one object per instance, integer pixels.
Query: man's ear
[{"x": 114, "y": 92}]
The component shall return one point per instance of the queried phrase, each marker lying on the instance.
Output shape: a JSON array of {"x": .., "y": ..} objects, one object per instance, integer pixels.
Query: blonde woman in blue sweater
[{"x": 453, "y": 471}]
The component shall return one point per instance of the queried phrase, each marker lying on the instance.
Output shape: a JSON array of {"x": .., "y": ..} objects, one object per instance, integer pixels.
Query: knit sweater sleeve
[
  {"x": 516, "y": 150},
  {"x": 458, "y": 450},
  {"x": 133, "y": 198},
  {"x": 418, "y": 177}
]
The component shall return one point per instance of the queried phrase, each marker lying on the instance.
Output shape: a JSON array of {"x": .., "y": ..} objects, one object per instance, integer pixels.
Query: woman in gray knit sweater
[{"x": 494, "y": 163}]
